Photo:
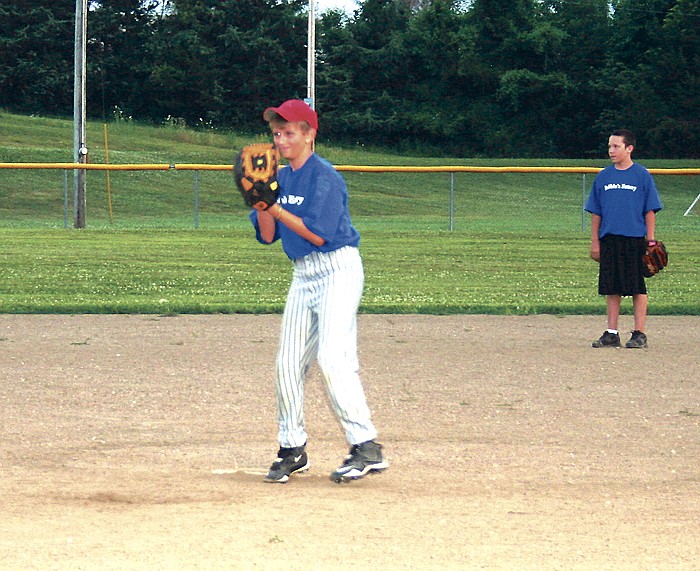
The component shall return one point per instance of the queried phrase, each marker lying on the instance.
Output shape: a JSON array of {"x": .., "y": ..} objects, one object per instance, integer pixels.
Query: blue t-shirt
[
  {"x": 622, "y": 198},
  {"x": 317, "y": 193}
]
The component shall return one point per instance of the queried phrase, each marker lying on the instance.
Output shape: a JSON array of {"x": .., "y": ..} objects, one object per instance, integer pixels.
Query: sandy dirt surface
[{"x": 140, "y": 442}]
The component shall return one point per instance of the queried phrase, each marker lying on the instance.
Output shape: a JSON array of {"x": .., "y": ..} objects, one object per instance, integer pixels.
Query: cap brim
[{"x": 270, "y": 113}]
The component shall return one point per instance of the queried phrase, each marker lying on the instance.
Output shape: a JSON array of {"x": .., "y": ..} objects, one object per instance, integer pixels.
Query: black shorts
[{"x": 621, "y": 266}]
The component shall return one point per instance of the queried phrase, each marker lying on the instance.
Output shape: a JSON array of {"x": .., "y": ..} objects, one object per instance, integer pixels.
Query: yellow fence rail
[{"x": 347, "y": 168}]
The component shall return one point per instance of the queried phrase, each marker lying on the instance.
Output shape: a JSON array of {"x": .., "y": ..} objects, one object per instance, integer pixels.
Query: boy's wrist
[{"x": 275, "y": 210}]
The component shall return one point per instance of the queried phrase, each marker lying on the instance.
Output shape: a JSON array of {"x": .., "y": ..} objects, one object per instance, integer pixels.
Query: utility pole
[
  {"x": 80, "y": 151},
  {"x": 311, "y": 58}
]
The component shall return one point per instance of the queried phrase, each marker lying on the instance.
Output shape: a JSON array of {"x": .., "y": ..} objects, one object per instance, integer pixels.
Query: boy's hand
[
  {"x": 255, "y": 172},
  {"x": 655, "y": 258}
]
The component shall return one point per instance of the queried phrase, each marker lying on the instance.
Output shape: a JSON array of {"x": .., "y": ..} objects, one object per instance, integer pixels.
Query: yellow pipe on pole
[{"x": 349, "y": 168}]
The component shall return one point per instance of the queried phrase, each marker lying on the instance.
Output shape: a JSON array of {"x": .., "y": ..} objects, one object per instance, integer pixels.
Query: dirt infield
[{"x": 139, "y": 442}]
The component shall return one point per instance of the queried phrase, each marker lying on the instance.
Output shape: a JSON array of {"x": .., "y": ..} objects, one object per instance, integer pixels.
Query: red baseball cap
[{"x": 293, "y": 110}]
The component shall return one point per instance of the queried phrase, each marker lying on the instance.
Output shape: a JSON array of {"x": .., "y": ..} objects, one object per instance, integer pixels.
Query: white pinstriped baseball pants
[{"x": 320, "y": 321}]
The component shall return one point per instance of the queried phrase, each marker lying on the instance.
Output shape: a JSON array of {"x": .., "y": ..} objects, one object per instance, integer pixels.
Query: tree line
[{"x": 523, "y": 78}]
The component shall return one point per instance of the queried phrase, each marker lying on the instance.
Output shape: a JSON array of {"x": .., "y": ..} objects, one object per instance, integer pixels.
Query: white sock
[{"x": 613, "y": 331}]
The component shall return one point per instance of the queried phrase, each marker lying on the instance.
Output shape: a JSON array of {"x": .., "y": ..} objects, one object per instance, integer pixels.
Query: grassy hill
[{"x": 432, "y": 243}]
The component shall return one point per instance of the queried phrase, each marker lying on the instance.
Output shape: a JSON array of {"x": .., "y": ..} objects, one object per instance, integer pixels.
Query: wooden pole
[
  {"x": 311, "y": 58},
  {"x": 80, "y": 151}
]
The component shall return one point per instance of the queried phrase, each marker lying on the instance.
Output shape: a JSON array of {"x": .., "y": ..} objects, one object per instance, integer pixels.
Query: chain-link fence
[{"x": 452, "y": 198}]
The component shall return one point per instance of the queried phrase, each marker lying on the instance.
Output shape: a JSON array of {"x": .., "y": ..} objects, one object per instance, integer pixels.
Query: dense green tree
[
  {"x": 119, "y": 56},
  {"x": 441, "y": 90},
  {"x": 335, "y": 88},
  {"x": 370, "y": 63},
  {"x": 182, "y": 82},
  {"x": 504, "y": 33},
  {"x": 675, "y": 75},
  {"x": 36, "y": 56},
  {"x": 503, "y": 41},
  {"x": 219, "y": 62},
  {"x": 636, "y": 29},
  {"x": 650, "y": 82},
  {"x": 457, "y": 77},
  {"x": 571, "y": 38},
  {"x": 573, "y": 35},
  {"x": 261, "y": 50}
]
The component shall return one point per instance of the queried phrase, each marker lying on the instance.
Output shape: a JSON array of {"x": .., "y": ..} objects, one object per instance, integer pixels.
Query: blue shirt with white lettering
[
  {"x": 317, "y": 193},
  {"x": 622, "y": 198}
]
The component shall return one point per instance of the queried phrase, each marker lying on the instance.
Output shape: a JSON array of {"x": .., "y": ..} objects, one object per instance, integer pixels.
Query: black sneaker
[
  {"x": 363, "y": 459},
  {"x": 289, "y": 461},
  {"x": 637, "y": 341},
  {"x": 607, "y": 339}
]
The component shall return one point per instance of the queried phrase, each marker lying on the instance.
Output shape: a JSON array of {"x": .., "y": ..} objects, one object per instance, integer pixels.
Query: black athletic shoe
[
  {"x": 607, "y": 339},
  {"x": 365, "y": 458},
  {"x": 637, "y": 341},
  {"x": 289, "y": 461}
]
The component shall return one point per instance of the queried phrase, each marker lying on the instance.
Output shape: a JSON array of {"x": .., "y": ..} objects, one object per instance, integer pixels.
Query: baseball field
[
  {"x": 136, "y": 369},
  {"x": 140, "y": 442}
]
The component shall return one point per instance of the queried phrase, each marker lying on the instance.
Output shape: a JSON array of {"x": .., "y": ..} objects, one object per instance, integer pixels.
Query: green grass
[{"x": 519, "y": 242}]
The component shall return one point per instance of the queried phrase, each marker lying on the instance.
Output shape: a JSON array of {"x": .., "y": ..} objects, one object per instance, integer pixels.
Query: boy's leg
[
  {"x": 337, "y": 347},
  {"x": 298, "y": 344},
  {"x": 639, "y": 304},
  {"x": 613, "y": 303},
  {"x": 340, "y": 372}
]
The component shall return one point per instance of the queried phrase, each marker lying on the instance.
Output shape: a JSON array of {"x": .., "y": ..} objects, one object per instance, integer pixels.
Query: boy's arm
[
  {"x": 266, "y": 222},
  {"x": 595, "y": 241},
  {"x": 294, "y": 223},
  {"x": 650, "y": 220}
]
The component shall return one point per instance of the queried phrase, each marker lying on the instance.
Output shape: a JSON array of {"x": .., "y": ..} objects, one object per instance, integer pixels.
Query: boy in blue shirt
[
  {"x": 623, "y": 203},
  {"x": 312, "y": 219}
]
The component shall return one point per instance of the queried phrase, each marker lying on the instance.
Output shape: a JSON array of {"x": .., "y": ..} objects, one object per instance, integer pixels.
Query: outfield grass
[
  {"x": 518, "y": 242},
  {"x": 206, "y": 271}
]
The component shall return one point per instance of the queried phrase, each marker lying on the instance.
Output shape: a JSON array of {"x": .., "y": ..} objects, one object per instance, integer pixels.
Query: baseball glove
[
  {"x": 655, "y": 258},
  {"x": 255, "y": 171}
]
